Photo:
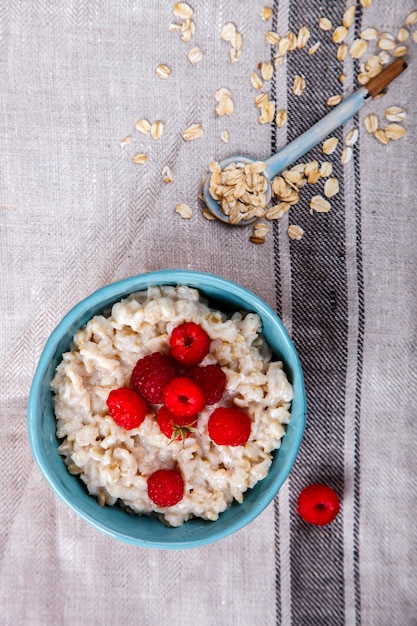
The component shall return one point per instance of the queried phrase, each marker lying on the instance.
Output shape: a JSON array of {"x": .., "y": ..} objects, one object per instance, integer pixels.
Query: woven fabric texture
[{"x": 77, "y": 213}]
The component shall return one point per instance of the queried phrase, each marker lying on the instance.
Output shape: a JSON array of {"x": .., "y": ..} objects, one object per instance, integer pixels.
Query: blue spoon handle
[{"x": 297, "y": 148}]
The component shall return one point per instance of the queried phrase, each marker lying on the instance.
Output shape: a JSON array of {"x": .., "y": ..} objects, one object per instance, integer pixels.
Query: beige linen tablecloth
[{"x": 77, "y": 213}]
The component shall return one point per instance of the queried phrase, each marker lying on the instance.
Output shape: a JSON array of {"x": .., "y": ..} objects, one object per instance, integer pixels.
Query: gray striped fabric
[{"x": 76, "y": 213}]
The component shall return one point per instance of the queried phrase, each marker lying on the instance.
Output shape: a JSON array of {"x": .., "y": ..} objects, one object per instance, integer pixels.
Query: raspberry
[
  {"x": 173, "y": 427},
  {"x": 151, "y": 374},
  {"x": 211, "y": 379},
  {"x": 318, "y": 504},
  {"x": 126, "y": 407},
  {"x": 183, "y": 397},
  {"x": 229, "y": 427},
  {"x": 189, "y": 343},
  {"x": 165, "y": 487}
]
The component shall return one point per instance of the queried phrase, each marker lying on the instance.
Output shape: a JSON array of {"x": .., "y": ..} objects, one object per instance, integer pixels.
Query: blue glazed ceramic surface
[{"x": 147, "y": 531}]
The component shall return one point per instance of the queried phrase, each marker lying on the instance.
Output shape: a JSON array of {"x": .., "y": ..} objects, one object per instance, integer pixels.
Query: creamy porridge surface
[{"x": 115, "y": 463}]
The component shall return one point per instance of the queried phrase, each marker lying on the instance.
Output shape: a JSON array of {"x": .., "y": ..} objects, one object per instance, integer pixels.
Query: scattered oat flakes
[
  {"x": 400, "y": 51},
  {"x": 314, "y": 48},
  {"x": 358, "y": 48},
  {"x": 411, "y": 18},
  {"x": 139, "y": 158},
  {"x": 261, "y": 229},
  {"x": 386, "y": 41},
  {"x": 349, "y": 16},
  {"x": 292, "y": 37},
  {"x": 257, "y": 239},
  {"x": 303, "y": 37},
  {"x": 255, "y": 80},
  {"x": 183, "y": 10},
  {"x": 325, "y": 23},
  {"x": 363, "y": 78},
  {"x": 273, "y": 38},
  {"x": 403, "y": 35},
  {"x": 260, "y": 98},
  {"x": 371, "y": 122},
  {"x": 156, "y": 129},
  {"x": 369, "y": 34},
  {"x": 163, "y": 71},
  {"x": 320, "y": 204},
  {"x": 326, "y": 169},
  {"x": 225, "y": 136},
  {"x": 352, "y": 137},
  {"x": 310, "y": 168},
  {"x": 329, "y": 146},
  {"x": 295, "y": 232},
  {"x": 381, "y": 136},
  {"x": 187, "y": 30},
  {"x": 281, "y": 118},
  {"x": 283, "y": 46},
  {"x": 184, "y": 210},
  {"x": 277, "y": 211},
  {"x": 346, "y": 156},
  {"x": 143, "y": 126},
  {"x": 208, "y": 214},
  {"x": 193, "y": 132},
  {"x": 395, "y": 114},
  {"x": 314, "y": 176},
  {"x": 292, "y": 177},
  {"x": 366, "y": 3},
  {"x": 167, "y": 175},
  {"x": 224, "y": 100},
  {"x": 339, "y": 34},
  {"x": 331, "y": 187},
  {"x": 334, "y": 100},
  {"x": 394, "y": 131},
  {"x": 266, "y": 13},
  {"x": 299, "y": 85},
  {"x": 342, "y": 51},
  {"x": 375, "y": 70},
  {"x": 267, "y": 70},
  {"x": 267, "y": 112},
  {"x": 342, "y": 78},
  {"x": 195, "y": 55},
  {"x": 385, "y": 57},
  {"x": 126, "y": 140},
  {"x": 228, "y": 32}
]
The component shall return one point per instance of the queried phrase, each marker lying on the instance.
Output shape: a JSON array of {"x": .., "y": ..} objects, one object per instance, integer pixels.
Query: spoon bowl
[{"x": 214, "y": 206}]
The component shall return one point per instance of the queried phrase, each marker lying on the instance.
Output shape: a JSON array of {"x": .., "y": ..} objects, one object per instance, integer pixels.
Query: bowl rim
[{"x": 110, "y": 294}]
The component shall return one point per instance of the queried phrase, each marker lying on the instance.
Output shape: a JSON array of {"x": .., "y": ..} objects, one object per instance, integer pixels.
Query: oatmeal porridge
[{"x": 116, "y": 463}]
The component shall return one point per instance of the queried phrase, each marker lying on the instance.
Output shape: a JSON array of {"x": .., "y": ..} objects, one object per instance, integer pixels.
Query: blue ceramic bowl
[{"x": 147, "y": 531}]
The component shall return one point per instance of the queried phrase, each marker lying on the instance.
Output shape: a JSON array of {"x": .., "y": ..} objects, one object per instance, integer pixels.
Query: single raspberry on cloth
[
  {"x": 173, "y": 426},
  {"x": 318, "y": 504},
  {"x": 165, "y": 487},
  {"x": 126, "y": 407},
  {"x": 211, "y": 379},
  {"x": 151, "y": 374},
  {"x": 189, "y": 343},
  {"x": 229, "y": 426},
  {"x": 183, "y": 397}
]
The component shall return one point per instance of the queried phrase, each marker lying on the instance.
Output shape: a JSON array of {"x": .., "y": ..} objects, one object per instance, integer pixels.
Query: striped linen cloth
[{"x": 77, "y": 213}]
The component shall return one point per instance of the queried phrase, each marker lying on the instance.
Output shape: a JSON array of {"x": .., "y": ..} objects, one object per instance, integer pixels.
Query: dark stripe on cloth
[
  {"x": 359, "y": 362},
  {"x": 277, "y": 273},
  {"x": 320, "y": 331}
]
